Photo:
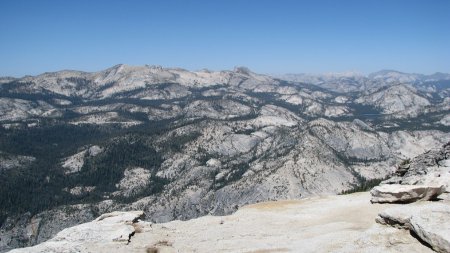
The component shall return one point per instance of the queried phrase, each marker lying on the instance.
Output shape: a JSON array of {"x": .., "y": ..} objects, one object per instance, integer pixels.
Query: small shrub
[{"x": 364, "y": 185}]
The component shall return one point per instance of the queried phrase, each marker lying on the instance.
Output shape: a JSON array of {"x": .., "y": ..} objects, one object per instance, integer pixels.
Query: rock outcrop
[
  {"x": 429, "y": 221},
  {"x": 319, "y": 224},
  {"x": 432, "y": 166},
  {"x": 433, "y": 226},
  {"x": 396, "y": 193},
  {"x": 396, "y": 100},
  {"x": 108, "y": 229}
]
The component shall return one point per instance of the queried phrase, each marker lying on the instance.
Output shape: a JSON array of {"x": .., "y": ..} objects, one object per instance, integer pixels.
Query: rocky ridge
[{"x": 194, "y": 143}]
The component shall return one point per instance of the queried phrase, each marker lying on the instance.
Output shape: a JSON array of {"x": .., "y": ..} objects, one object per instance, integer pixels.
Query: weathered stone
[
  {"x": 321, "y": 224},
  {"x": 110, "y": 228},
  {"x": 430, "y": 221},
  {"x": 433, "y": 226},
  {"x": 395, "y": 193}
]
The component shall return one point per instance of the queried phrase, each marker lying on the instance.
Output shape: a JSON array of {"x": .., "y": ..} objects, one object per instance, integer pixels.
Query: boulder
[
  {"x": 433, "y": 226},
  {"x": 396, "y": 193},
  {"x": 429, "y": 221}
]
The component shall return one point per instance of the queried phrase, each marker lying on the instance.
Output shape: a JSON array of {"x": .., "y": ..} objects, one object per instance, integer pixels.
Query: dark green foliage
[
  {"x": 69, "y": 114},
  {"x": 27, "y": 189},
  {"x": 81, "y": 83},
  {"x": 244, "y": 131},
  {"x": 140, "y": 116},
  {"x": 363, "y": 185},
  {"x": 365, "y": 112},
  {"x": 9, "y": 90},
  {"x": 273, "y": 98},
  {"x": 237, "y": 171},
  {"x": 49, "y": 141},
  {"x": 106, "y": 169},
  {"x": 203, "y": 156},
  {"x": 3, "y": 217},
  {"x": 176, "y": 143},
  {"x": 39, "y": 186},
  {"x": 351, "y": 160}
]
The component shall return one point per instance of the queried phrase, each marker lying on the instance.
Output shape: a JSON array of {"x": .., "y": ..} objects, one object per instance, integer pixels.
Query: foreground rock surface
[
  {"x": 430, "y": 221},
  {"x": 395, "y": 193},
  {"x": 322, "y": 224}
]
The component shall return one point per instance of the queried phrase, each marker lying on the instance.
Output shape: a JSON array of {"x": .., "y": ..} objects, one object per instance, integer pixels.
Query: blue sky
[{"x": 278, "y": 36}]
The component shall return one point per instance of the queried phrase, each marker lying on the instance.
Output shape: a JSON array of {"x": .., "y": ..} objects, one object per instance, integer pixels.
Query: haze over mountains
[{"x": 180, "y": 144}]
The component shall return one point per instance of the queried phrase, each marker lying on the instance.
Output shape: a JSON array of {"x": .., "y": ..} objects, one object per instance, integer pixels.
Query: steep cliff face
[{"x": 180, "y": 144}]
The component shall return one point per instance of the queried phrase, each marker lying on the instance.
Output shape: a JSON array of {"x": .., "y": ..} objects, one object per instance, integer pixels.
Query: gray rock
[
  {"x": 277, "y": 226},
  {"x": 108, "y": 228},
  {"x": 429, "y": 168},
  {"x": 433, "y": 226},
  {"x": 397, "y": 100},
  {"x": 430, "y": 221},
  {"x": 395, "y": 193}
]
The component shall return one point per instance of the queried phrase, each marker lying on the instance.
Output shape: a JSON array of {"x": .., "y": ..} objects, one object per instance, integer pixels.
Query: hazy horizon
[
  {"x": 271, "y": 37},
  {"x": 356, "y": 72}
]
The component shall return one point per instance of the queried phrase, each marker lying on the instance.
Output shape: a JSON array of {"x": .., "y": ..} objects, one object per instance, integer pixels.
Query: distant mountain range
[
  {"x": 180, "y": 144},
  {"x": 353, "y": 81}
]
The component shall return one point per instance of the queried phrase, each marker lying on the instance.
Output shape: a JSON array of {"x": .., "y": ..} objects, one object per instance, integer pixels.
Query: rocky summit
[
  {"x": 318, "y": 224},
  {"x": 178, "y": 144}
]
